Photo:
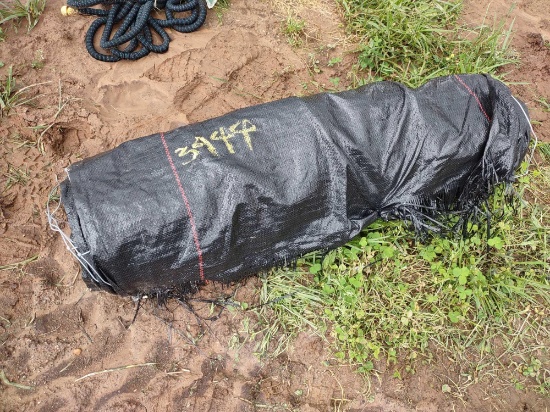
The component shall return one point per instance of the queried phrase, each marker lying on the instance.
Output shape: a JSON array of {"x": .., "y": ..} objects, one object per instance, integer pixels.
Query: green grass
[
  {"x": 11, "y": 96},
  {"x": 15, "y": 10},
  {"x": 544, "y": 150},
  {"x": 15, "y": 176},
  {"x": 281, "y": 312},
  {"x": 543, "y": 102},
  {"x": 220, "y": 8},
  {"x": 385, "y": 296},
  {"x": 413, "y": 41},
  {"x": 223, "y": 4},
  {"x": 294, "y": 30}
]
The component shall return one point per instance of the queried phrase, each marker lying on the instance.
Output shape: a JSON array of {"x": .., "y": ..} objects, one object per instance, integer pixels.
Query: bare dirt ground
[{"x": 53, "y": 331}]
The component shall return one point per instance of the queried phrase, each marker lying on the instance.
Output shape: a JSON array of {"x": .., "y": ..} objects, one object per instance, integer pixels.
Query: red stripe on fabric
[
  {"x": 187, "y": 206},
  {"x": 475, "y": 97}
]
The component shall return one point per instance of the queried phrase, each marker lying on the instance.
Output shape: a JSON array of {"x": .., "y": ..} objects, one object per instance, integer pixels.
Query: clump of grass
[
  {"x": 221, "y": 7},
  {"x": 544, "y": 150},
  {"x": 282, "y": 313},
  {"x": 16, "y": 10},
  {"x": 12, "y": 97},
  {"x": 20, "y": 142},
  {"x": 545, "y": 104},
  {"x": 223, "y": 4},
  {"x": 385, "y": 296},
  {"x": 294, "y": 30},
  {"x": 15, "y": 176},
  {"x": 413, "y": 41}
]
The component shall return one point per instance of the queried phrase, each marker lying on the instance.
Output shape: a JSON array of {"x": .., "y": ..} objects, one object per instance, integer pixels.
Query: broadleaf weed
[{"x": 385, "y": 295}]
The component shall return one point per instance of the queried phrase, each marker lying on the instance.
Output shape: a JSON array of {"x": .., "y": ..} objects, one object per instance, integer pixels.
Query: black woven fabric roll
[{"x": 235, "y": 195}]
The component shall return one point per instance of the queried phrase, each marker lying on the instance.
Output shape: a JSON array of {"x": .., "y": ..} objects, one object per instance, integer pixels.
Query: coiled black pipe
[{"x": 133, "y": 38}]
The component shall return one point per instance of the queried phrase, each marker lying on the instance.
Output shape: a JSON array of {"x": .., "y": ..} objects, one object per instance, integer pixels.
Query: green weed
[
  {"x": 335, "y": 81},
  {"x": 385, "y": 296},
  {"x": 221, "y": 7},
  {"x": 12, "y": 97},
  {"x": 535, "y": 369},
  {"x": 543, "y": 101},
  {"x": 294, "y": 30},
  {"x": 281, "y": 313},
  {"x": 313, "y": 64},
  {"x": 223, "y": 4},
  {"x": 334, "y": 61},
  {"x": 544, "y": 150},
  {"x": 413, "y": 41},
  {"x": 15, "y": 10}
]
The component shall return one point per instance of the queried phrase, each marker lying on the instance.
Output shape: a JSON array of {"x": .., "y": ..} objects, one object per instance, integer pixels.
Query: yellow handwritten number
[
  {"x": 202, "y": 142},
  {"x": 184, "y": 151},
  {"x": 244, "y": 128},
  {"x": 225, "y": 138}
]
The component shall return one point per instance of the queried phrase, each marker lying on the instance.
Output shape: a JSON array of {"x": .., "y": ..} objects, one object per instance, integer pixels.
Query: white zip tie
[
  {"x": 534, "y": 135},
  {"x": 54, "y": 225}
]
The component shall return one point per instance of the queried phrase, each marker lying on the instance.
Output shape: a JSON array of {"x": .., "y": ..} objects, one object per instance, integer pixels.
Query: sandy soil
[{"x": 53, "y": 331}]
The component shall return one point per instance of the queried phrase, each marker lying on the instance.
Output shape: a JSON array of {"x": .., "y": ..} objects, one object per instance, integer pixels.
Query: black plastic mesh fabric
[{"x": 235, "y": 195}]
